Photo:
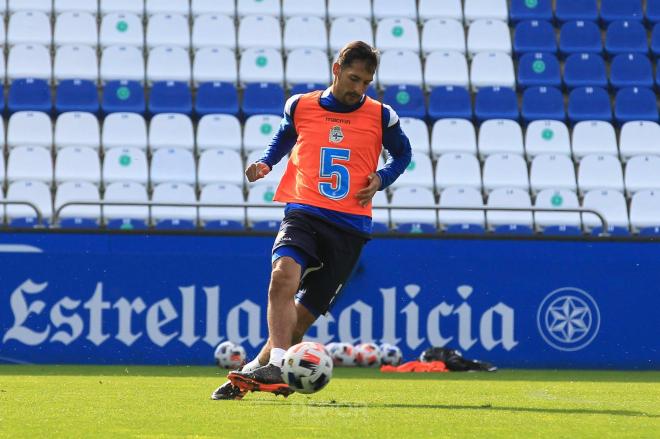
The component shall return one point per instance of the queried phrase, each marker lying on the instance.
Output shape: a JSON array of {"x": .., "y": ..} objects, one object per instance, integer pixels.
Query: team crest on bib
[{"x": 336, "y": 134}]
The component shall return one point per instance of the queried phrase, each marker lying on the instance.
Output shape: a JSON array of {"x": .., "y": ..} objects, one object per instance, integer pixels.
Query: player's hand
[
  {"x": 365, "y": 195},
  {"x": 256, "y": 171}
]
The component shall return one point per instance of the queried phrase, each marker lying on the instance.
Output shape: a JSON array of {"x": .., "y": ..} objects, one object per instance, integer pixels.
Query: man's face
[{"x": 351, "y": 82}]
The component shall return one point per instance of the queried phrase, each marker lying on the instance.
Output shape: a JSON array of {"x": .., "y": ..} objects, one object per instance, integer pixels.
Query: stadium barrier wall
[{"x": 90, "y": 298}]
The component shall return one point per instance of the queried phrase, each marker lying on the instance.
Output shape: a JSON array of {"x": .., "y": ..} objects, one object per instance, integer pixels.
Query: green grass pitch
[{"x": 173, "y": 402}]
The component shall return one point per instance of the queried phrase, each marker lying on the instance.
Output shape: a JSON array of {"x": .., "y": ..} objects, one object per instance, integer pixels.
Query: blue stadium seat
[
  {"x": 216, "y": 98},
  {"x": 78, "y": 223},
  {"x": 266, "y": 226},
  {"x": 469, "y": 229},
  {"x": 513, "y": 229},
  {"x": 170, "y": 97},
  {"x": 585, "y": 70},
  {"x": 649, "y": 231},
  {"x": 378, "y": 227},
  {"x": 635, "y": 103},
  {"x": 406, "y": 100},
  {"x": 569, "y": 10},
  {"x": 612, "y": 10},
  {"x": 631, "y": 70},
  {"x": 543, "y": 103},
  {"x": 496, "y": 103},
  {"x": 450, "y": 102},
  {"x": 653, "y": 11},
  {"x": 225, "y": 225},
  {"x": 655, "y": 41},
  {"x": 371, "y": 92},
  {"x": 589, "y": 103},
  {"x": 306, "y": 88},
  {"x": 539, "y": 69},
  {"x": 126, "y": 224},
  {"x": 625, "y": 37},
  {"x": 612, "y": 230},
  {"x": 77, "y": 95},
  {"x": 263, "y": 98},
  {"x": 414, "y": 228},
  {"x": 29, "y": 95},
  {"x": 123, "y": 97},
  {"x": 175, "y": 224},
  {"x": 534, "y": 36},
  {"x": 580, "y": 37},
  {"x": 520, "y": 10},
  {"x": 562, "y": 231}
]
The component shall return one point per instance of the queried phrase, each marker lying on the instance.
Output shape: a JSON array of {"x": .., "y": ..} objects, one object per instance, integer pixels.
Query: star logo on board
[{"x": 336, "y": 134}]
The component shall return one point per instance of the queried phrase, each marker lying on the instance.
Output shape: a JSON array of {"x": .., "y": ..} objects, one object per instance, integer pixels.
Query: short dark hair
[{"x": 359, "y": 51}]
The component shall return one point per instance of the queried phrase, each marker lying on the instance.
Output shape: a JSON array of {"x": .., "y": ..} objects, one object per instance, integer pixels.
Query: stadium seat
[
  {"x": 35, "y": 192},
  {"x": 170, "y": 97},
  {"x": 224, "y": 7},
  {"x": 585, "y": 70},
  {"x": 599, "y": 172},
  {"x": 457, "y": 170},
  {"x": 397, "y": 34},
  {"x": 488, "y": 36},
  {"x": 589, "y": 103},
  {"x": 539, "y": 70},
  {"x": 398, "y": 67},
  {"x": 220, "y": 166},
  {"x": 626, "y": 37},
  {"x": 571, "y": 10},
  {"x": 172, "y": 165},
  {"x": 167, "y": 29},
  {"x": 168, "y": 63},
  {"x": 550, "y": 171},
  {"x": 123, "y": 96},
  {"x": 215, "y": 64},
  {"x": 122, "y": 165},
  {"x": 122, "y": 29},
  {"x": 496, "y": 103},
  {"x": 217, "y": 98},
  {"x": 654, "y": 42},
  {"x": 594, "y": 137},
  {"x": 462, "y": 221},
  {"x": 171, "y": 131},
  {"x": 261, "y": 7},
  {"x": 513, "y": 222},
  {"x": 219, "y": 131},
  {"x": 485, "y": 9},
  {"x": 446, "y": 68},
  {"x": 612, "y": 10},
  {"x": 642, "y": 173},
  {"x": 430, "y": 9},
  {"x": 380, "y": 215},
  {"x": 383, "y": 9},
  {"x": 411, "y": 220},
  {"x": 443, "y": 34},
  {"x": 152, "y": 7},
  {"x": 122, "y": 63},
  {"x": 29, "y": 95},
  {"x": 631, "y": 70},
  {"x": 645, "y": 211},
  {"x": 505, "y": 171},
  {"x": 126, "y": 217},
  {"x": 557, "y": 223},
  {"x": 86, "y": 6},
  {"x": 261, "y": 65},
  {"x": 77, "y": 163},
  {"x": 547, "y": 137},
  {"x": 263, "y": 98},
  {"x": 110, "y": 6},
  {"x": 77, "y": 216},
  {"x": 613, "y": 206},
  {"x": 222, "y": 218},
  {"x": 498, "y": 136},
  {"x": 639, "y": 138},
  {"x": 29, "y": 27},
  {"x": 417, "y": 132},
  {"x": 349, "y": 28},
  {"x": 264, "y": 218},
  {"x": 635, "y": 104},
  {"x": 349, "y": 8},
  {"x": 310, "y": 87},
  {"x": 307, "y": 66},
  {"x": 30, "y": 163},
  {"x": 406, "y": 100},
  {"x": 29, "y": 61},
  {"x": 580, "y": 37},
  {"x": 419, "y": 173},
  {"x": 30, "y": 128},
  {"x": 534, "y": 36},
  {"x": 305, "y": 33},
  {"x": 77, "y": 129},
  {"x": 542, "y": 103},
  {"x": 450, "y": 102},
  {"x": 259, "y": 31},
  {"x": 76, "y": 27},
  {"x": 77, "y": 95},
  {"x": 521, "y": 10},
  {"x": 453, "y": 135},
  {"x": 174, "y": 217},
  {"x": 76, "y": 62},
  {"x": 303, "y": 8},
  {"x": 258, "y": 131},
  {"x": 492, "y": 69},
  {"x": 124, "y": 130},
  {"x": 653, "y": 11},
  {"x": 213, "y": 30}
]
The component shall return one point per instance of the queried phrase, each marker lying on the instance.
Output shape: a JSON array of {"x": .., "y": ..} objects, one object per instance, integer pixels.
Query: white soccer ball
[
  {"x": 343, "y": 354},
  {"x": 307, "y": 367},
  {"x": 390, "y": 354},
  {"x": 229, "y": 355},
  {"x": 367, "y": 355}
]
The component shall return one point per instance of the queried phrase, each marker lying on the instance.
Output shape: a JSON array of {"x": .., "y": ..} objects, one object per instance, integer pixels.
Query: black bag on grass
[{"x": 455, "y": 361}]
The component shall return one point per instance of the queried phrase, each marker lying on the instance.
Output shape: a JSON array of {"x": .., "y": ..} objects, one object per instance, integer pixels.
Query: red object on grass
[{"x": 416, "y": 366}]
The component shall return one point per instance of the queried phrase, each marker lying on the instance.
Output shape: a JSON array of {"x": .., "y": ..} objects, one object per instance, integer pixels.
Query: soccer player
[{"x": 335, "y": 138}]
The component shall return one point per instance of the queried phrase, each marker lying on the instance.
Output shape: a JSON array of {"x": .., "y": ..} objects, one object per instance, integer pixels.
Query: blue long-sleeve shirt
[{"x": 394, "y": 140}]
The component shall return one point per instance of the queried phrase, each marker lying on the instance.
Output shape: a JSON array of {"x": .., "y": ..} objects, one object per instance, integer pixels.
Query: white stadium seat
[
  {"x": 126, "y": 192},
  {"x": 35, "y": 192},
  {"x": 222, "y": 194},
  {"x": 430, "y": 9},
  {"x": 645, "y": 209},
  {"x": 457, "y": 196},
  {"x": 305, "y": 33},
  {"x": 446, "y": 68},
  {"x": 611, "y": 203},
  {"x": 82, "y": 6},
  {"x": 169, "y": 130},
  {"x": 399, "y": 67},
  {"x": 77, "y": 163},
  {"x": 219, "y": 131},
  {"x": 500, "y": 136},
  {"x": 489, "y": 9},
  {"x": 122, "y": 63},
  {"x": 125, "y": 165},
  {"x": 488, "y": 36},
  {"x": 397, "y": 34},
  {"x": 174, "y": 193},
  {"x": 77, "y": 129},
  {"x": 419, "y": 173},
  {"x": 379, "y": 212},
  {"x": 509, "y": 197},
  {"x": 557, "y": 198},
  {"x": 639, "y": 137},
  {"x": 505, "y": 171},
  {"x": 642, "y": 173},
  {"x": 457, "y": 169},
  {"x": 389, "y": 9},
  {"x": 413, "y": 196},
  {"x": 121, "y": 28},
  {"x": 152, "y": 7},
  {"x": 275, "y": 174},
  {"x": 30, "y": 163},
  {"x": 303, "y": 8},
  {"x": 550, "y": 171},
  {"x": 444, "y": 35},
  {"x": 124, "y": 130},
  {"x": 417, "y": 132},
  {"x": 168, "y": 30},
  {"x": 600, "y": 172},
  {"x": 261, "y": 65},
  {"x": 492, "y": 69},
  {"x": 220, "y": 166},
  {"x": 262, "y": 193},
  {"x": 29, "y": 27},
  {"x": 547, "y": 137},
  {"x": 130, "y": 6},
  {"x": 214, "y": 30},
  {"x": 215, "y": 64},
  {"x": 45, "y": 6},
  {"x": 259, "y": 7},
  {"x": 172, "y": 165},
  {"x": 593, "y": 137},
  {"x": 343, "y": 30},
  {"x": 224, "y": 7},
  {"x": 76, "y": 62},
  {"x": 258, "y": 131},
  {"x": 453, "y": 135},
  {"x": 29, "y": 61},
  {"x": 306, "y": 66},
  {"x": 349, "y": 8},
  {"x": 259, "y": 31},
  {"x": 169, "y": 63},
  {"x": 76, "y": 28},
  {"x": 30, "y": 128}
]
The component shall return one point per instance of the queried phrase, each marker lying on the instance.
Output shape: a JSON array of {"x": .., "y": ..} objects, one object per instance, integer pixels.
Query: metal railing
[{"x": 37, "y": 211}]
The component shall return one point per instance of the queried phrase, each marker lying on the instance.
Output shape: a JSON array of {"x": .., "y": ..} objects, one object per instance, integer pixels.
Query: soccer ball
[
  {"x": 307, "y": 367},
  {"x": 390, "y": 354},
  {"x": 229, "y": 355},
  {"x": 367, "y": 355},
  {"x": 343, "y": 354}
]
